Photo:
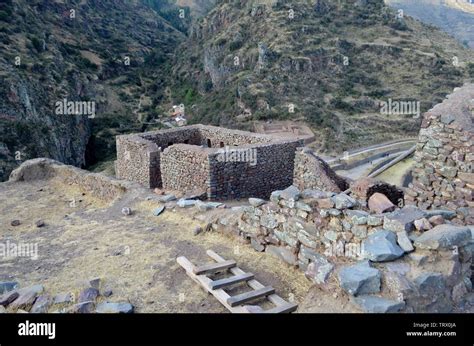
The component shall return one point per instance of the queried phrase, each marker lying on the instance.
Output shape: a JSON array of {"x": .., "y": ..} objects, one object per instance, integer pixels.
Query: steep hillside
[
  {"x": 456, "y": 17},
  {"x": 329, "y": 63},
  {"x": 97, "y": 51}
]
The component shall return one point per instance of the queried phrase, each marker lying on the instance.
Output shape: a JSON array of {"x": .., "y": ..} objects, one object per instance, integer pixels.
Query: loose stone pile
[
  {"x": 403, "y": 260},
  {"x": 33, "y": 299},
  {"x": 443, "y": 175}
]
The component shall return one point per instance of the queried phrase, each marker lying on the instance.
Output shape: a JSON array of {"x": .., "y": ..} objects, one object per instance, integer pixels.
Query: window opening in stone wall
[
  {"x": 222, "y": 144},
  {"x": 209, "y": 144}
]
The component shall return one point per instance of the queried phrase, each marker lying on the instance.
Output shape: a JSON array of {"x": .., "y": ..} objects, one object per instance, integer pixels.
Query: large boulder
[
  {"x": 372, "y": 304},
  {"x": 381, "y": 246},
  {"x": 379, "y": 203},
  {"x": 444, "y": 237},
  {"x": 360, "y": 279}
]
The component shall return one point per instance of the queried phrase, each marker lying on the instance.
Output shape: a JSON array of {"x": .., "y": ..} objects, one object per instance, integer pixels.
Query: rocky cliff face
[
  {"x": 331, "y": 64},
  {"x": 91, "y": 52}
]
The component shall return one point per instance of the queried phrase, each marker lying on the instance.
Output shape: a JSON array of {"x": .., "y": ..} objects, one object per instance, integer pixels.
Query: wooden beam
[
  {"x": 214, "y": 267},
  {"x": 204, "y": 282},
  {"x": 231, "y": 281},
  {"x": 248, "y": 296},
  {"x": 274, "y": 298}
]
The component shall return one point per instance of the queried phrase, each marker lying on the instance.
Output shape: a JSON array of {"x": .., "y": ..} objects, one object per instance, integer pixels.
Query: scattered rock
[
  {"x": 256, "y": 202},
  {"x": 41, "y": 304},
  {"x": 8, "y": 286},
  {"x": 418, "y": 259},
  {"x": 404, "y": 241},
  {"x": 126, "y": 211},
  {"x": 95, "y": 283},
  {"x": 27, "y": 297},
  {"x": 283, "y": 253},
  {"x": 446, "y": 214},
  {"x": 436, "y": 220},
  {"x": 114, "y": 308},
  {"x": 444, "y": 237},
  {"x": 167, "y": 198},
  {"x": 319, "y": 270},
  {"x": 197, "y": 230},
  {"x": 8, "y": 298},
  {"x": 159, "y": 210},
  {"x": 40, "y": 223},
  {"x": 402, "y": 219},
  {"x": 379, "y": 203},
  {"x": 343, "y": 201},
  {"x": 186, "y": 203},
  {"x": 88, "y": 295},
  {"x": 373, "y": 304},
  {"x": 258, "y": 246},
  {"x": 63, "y": 298},
  {"x": 360, "y": 279},
  {"x": 107, "y": 293},
  {"x": 375, "y": 220},
  {"x": 422, "y": 224},
  {"x": 381, "y": 246},
  {"x": 291, "y": 193},
  {"x": 15, "y": 223},
  {"x": 82, "y": 308}
]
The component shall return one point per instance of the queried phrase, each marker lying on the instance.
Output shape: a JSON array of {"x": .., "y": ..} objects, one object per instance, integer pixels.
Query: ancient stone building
[
  {"x": 443, "y": 174},
  {"x": 220, "y": 162}
]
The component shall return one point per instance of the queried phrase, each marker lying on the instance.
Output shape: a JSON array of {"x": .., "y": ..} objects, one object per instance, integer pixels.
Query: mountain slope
[
  {"x": 328, "y": 63},
  {"x": 97, "y": 51},
  {"x": 445, "y": 14}
]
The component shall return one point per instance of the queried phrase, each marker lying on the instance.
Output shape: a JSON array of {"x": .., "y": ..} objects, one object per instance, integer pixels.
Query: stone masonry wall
[
  {"x": 185, "y": 168},
  {"x": 270, "y": 167},
  {"x": 313, "y": 173},
  {"x": 383, "y": 262},
  {"x": 443, "y": 175}
]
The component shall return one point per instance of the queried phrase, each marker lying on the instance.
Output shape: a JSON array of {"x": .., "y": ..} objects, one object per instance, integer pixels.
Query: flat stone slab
[
  {"x": 404, "y": 242},
  {"x": 381, "y": 246},
  {"x": 402, "y": 219},
  {"x": 186, "y": 203},
  {"x": 373, "y": 304},
  {"x": 360, "y": 279},
  {"x": 41, "y": 304},
  {"x": 167, "y": 198},
  {"x": 114, "y": 308},
  {"x": 444, "y": 237},
  {"x": 27, "y": 297},
  {"x": 256, "y": 202},
  {"x": 158, "y": 211}
]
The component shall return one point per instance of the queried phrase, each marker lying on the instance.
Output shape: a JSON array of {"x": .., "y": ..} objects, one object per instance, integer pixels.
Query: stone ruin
[
  {"x": 218, "y": 162},
  {"x": 443, "y": 175}
]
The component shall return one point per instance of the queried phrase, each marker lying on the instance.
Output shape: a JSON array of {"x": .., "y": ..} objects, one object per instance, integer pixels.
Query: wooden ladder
[{"x": 235, "y": 304}]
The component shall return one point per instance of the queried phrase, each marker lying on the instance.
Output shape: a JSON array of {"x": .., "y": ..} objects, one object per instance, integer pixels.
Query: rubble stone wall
[
  {"x": 185, "y": 168},
  {"x": 313, "y": 173},
  {"x": 335, "y": 239},
  {"x": 443, "y": 175},
  {"x": 259, "y": 170}
]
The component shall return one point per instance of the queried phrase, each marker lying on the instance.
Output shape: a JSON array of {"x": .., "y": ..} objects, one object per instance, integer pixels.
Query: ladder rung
[
  {"x": 230, "y": 281},
  {"x": 214, "y": 267},
  {"x": 247, "y": 296},
  {"x": 282, "y": 309}
]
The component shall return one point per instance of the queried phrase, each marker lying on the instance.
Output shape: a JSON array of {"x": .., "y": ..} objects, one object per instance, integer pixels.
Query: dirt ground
[{"x": 135, "y": 256}]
